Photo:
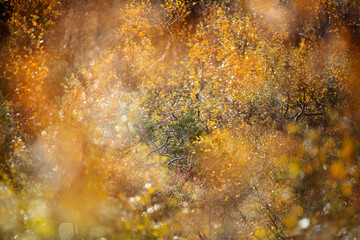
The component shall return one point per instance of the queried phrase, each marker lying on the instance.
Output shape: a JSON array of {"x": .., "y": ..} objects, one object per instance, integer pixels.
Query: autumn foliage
[{"x": 179, "y": 119}]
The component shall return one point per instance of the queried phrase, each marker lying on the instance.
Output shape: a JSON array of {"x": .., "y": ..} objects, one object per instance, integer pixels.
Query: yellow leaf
[
  {"x": 151, "y": 190},
  {"x": 337, "y": 170}
]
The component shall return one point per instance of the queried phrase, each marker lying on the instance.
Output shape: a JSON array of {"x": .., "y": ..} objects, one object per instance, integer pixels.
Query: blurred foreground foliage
[{"x": 180, "y": 119}]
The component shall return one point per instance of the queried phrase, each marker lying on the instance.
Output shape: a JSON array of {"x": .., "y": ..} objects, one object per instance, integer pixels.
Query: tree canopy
[{"x": 179, "y": 119}]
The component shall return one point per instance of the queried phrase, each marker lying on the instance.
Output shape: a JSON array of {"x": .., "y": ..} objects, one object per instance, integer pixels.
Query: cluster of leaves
[{"x": 180, "y": 119}]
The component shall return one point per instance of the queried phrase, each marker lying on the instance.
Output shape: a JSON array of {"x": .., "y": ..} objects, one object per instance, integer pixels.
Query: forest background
[{"x": 180, "y": 119}]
